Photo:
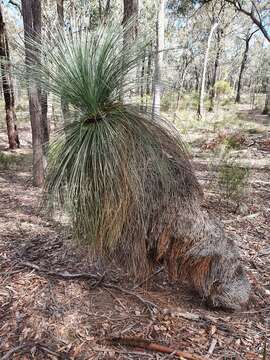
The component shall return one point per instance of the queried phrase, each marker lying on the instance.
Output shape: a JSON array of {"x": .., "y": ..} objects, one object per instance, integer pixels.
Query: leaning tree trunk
[
  {"x": 242, "y": 68},
  {"x": 7, "y": 84},
  {"x": 31, "y": 11},
  {"x": 202, "y": 89},
  {"x": 157, "y": 87},
  {"x": 243, "y": 65}
]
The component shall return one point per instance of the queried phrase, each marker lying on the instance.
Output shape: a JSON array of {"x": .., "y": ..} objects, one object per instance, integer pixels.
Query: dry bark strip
[
  {"x": 151, "y": 346},
  {"x": 151, "y": 307}
]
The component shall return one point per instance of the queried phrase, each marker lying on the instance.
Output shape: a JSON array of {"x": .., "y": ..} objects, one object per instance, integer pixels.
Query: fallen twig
[
  {"x": 212, "y": 346},
  {"x": 99, "y": 281},
  {"x": 13, "y": 351},
  {"x": 28, "y": 346},
  {"x": 149, "y": 345},
  {"x": 150, "y": 305},
  {"x": 148, "y": 278},
  {"x": 64, "y": 275}
]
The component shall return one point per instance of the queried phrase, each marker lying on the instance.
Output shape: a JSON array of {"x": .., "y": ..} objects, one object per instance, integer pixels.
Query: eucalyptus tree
[
  {"x": 7, "y": 84},
  {"x": 31, "y": 11},
  {"x": 160, "y": 33},
  {"x": 248, "y": 36}
]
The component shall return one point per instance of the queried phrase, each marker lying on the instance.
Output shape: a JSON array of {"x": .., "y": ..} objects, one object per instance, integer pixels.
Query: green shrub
[
  {"x": 222, "y": 87},
  {"x": 9, "y": 161},
  {"x": 232, "y": 179}
]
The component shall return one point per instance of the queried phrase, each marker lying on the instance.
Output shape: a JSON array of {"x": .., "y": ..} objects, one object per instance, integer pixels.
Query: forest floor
[{"x": 55, "y": 304}]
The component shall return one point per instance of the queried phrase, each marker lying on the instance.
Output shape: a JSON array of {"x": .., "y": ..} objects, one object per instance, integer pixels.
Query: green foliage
[
  {"x": 10, "y": 161},
  {"x": 168, "y": 101},
  {"x": 222, "y": 87},
  {"x": 107, "y": 165},
  {"x": 232, "y": 178}
]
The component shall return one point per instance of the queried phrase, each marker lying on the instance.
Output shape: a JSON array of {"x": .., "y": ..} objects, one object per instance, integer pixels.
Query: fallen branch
[
  {"x": 28, "y": 346},
  {"x": 88, "y": 276},
  {"x": 9, "y": 354},
  {"x": 148, "y": 278},
  {"x": 149, "y": 345},
  {"x": 150, "y": 305},
  {"x": 64, "y": 275}
]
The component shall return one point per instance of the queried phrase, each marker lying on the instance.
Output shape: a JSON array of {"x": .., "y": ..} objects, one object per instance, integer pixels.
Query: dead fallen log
[{"x": 151, "y": 346}]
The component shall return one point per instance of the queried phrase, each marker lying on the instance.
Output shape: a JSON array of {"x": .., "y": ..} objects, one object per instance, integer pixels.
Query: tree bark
[
  {"x": 242, "y": 68},
  {"x": 7, "y": 85},
  {"x": 131, "y": 11},
  {"x": 214, "y": 79},
  {"x": 60, "y": 12},
  {"x": 142, "y": 77},
  {"x": 45, "y": 122},
  {"x": 243, "y": 65},
  {"x": 149, "y": 71},
  {"x": 160, "y": 27},
  {"x": 31, "y": 10},
  {"x": 61, "y": 22},
  {"x": 202, "y": 89},
  {"x": 266, "y": 109}
]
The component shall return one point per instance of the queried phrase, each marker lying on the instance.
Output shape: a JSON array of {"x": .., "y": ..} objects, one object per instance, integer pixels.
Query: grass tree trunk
[
  {"x": 31, "y": 11},
  {"x": 202, "y": 89},
  {"x": 7, "y": 85},
  {"x": 157, "y": 87}
]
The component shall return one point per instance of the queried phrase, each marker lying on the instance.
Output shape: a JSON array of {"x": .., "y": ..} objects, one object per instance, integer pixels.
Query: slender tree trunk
[
  {"x": 214, "y": 79},
  {"x": 60, "y": 12},
  {"x": 45, "y": 122},
  {"x": 131, "y": 9},
  {"x": 7, "y": 85},
  {"x": 160, "y": 27},
  {"x": 31, "y": 11},
  {"x": 202, "y": 89},
  {"x": 243, "y": 64},
  {"x": 142, "y": 77},
  {"x": 60, "y": 16},
  {"x": 266, "y": 109},
  {"x": 149, "y": 72}
]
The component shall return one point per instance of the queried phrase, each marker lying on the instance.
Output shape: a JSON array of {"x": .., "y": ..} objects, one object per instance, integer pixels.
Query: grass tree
[{"x": 123, "y": 177}]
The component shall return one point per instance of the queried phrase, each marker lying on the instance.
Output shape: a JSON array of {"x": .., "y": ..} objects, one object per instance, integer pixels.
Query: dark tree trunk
[
  {"x": 45, "y": 123},
  {"x": 61, "y": 22},
  {"x": 266, "y": 109},
  {"x": 149, "y": 72},
  {"x": 60, "y": 12},
  {"x": 216, "y": 65},
  {"x": 142, "y": 77},
  {"x": 7, "y": 85},
  {"x": 131, "y": 10},
  {"x": 31, "y": 11},
  {"x": 242, "y": 68},
  {"x": 243, "y": 65}
]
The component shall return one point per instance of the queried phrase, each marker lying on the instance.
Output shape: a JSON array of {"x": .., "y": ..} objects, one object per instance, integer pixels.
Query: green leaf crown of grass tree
[{"x": 109, "y": 163}]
